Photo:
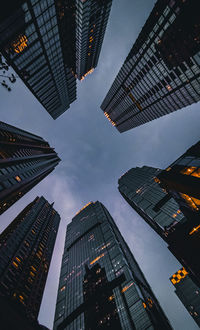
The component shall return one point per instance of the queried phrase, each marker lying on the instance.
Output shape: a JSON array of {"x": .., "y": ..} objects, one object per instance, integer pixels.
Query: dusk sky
[{"x": 94, "y": 155}]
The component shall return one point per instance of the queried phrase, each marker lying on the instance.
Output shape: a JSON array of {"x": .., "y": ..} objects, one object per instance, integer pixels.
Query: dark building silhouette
[
  {"x": 91, "y": 17},
  {"x": 33, "y": 41},
  {"x": 182, "y": 181},
  {"x": 25, "y": 159},
  {"x": 161, "y": 73},
  {"x": 26, "y": 248},
  {"x": 168, "y": 200},
  {"x": 51, "y": 43},
  {"x": 98, "y": 294},
  {"x": 101, "y": 285},
  {"x": 188, "y": 293}
]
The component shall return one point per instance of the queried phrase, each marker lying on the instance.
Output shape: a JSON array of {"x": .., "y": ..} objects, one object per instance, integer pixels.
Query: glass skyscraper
[
  {"x": 25, "y": 159},
  {"x": 33, "y": 41},
  {"x": 188, "y": 293},
  {"x": 181, "y": 180},
  {"x": 173, "y": 215},
  {"x": 98, "y": 270},
  {"x": 91, "y": 18},
  {"x": 26, "y": 248},
  {"x": 140, "y": 188},
  {"x": 161, "y": 73}
]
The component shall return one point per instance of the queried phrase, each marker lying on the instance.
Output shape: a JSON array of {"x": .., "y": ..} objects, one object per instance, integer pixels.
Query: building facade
[
  {"x": 25, "y": 159},
  {"x": 140, "y": 188},
  {"x": 26, "y": 248},
  {"x": 91, "y": 19},
  {"x": 188, "y": 293},
  {"x": 161, "y": 74},
  {"x": 182, "y": 181},
  {"x": 33, "y": 42},
  {"x": 98, "y": 270}
]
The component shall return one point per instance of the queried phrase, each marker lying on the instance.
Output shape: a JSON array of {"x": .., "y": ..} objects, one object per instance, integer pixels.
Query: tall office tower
[
  {"x": 25, "y": 159},
  {"x": 188, "y": 292},
  {"x": 182, "y": 181},
  {"x": 174, "y": 215},
  {"x": 26, "y": 248},
  {"x": 34, "y": 43},
  {"x": 91, "y": 19},
  {"x": 140, "y": 188},
  {"x": 101, "y": 283},
  {"x": 161, "y": 73}
]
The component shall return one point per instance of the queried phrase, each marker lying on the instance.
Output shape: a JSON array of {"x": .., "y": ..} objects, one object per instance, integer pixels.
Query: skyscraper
[
  {"x": 161, "y": 73},
  {"x": 91, "y": 18},
  {"x": 140, "y": 188},
  {"x": 188, "y": 292},
  {"x": 181, "y": 180},
  {"x": 101, "y": 283},
  {"x": 173, "y": 215},
  {"x": 51, "y": 43},
  {"x": 26, "y": 248},
  {"x": 25, "y": 159},
  {"x": 33, "y": 41}
]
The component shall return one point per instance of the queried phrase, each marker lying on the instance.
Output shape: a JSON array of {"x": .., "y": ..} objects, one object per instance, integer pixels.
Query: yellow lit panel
[
  {"x": 87, "y": 73},
  {"x": 127, "y": 287},
  {"x": 20, "y": 44},
  {"x": 96, "y": 259},
  {"x": 194, "y": 230},
  {"x": 84, "y": 207},
  {"x": 178, "y": 276},
  {"x": 188, "y": 170}
]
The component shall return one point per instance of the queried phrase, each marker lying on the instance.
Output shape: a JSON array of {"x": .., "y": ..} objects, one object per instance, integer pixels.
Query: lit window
[
  {"x": 20, "y": 43},
  {"x": 178, "y": 276},
  {"x": 18, "y": 178},
  {"x": 127, "y": 287},
  {"x": 96, "y": 259},
  {"x": 188, "y": 170},
  {"x": 194, "y": 230},
  {"x": 63, "y": 288}
]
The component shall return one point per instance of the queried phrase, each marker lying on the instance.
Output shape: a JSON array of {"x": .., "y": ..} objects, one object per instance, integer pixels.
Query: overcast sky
[{"x": 94, "y": 155}]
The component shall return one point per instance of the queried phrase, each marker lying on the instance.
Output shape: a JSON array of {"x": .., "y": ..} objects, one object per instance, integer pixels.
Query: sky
[{"x": 94, "y": 155}]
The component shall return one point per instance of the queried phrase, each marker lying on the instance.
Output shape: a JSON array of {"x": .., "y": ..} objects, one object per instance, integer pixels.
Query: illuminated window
[
  {"x": 196, "y": 173},
  {"x": 63, "y": 288},
  {"x": 194, "y": 230},
  {"x": 20, "y": 44},
  {"x": 188, "y": 170},
  {"x": 178, "y": 276},
  {"x": 96, "y": 259},
  {"x": 127, "y": 287},
  {"x": 18, "y": 178},
  {"x": 168, "y": 87},
  {"x": 190, "y": 201},
  {"x": 15, "y": 264}
]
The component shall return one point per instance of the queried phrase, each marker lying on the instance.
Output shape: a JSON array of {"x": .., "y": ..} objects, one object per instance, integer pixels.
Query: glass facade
[
  {"x": 161, "y": 73},
  {"x": 188, "y": 292},
  {"x": 26, "y": 248},
  {"x": 32, "y": 44},
  {"x": 91, "y": 19},
  {"x": 95, "y": 249},
  {"x": 182, "y": 180},
  {"x": 140, "y": 188},
  {"x": 25, "y": 159}
]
